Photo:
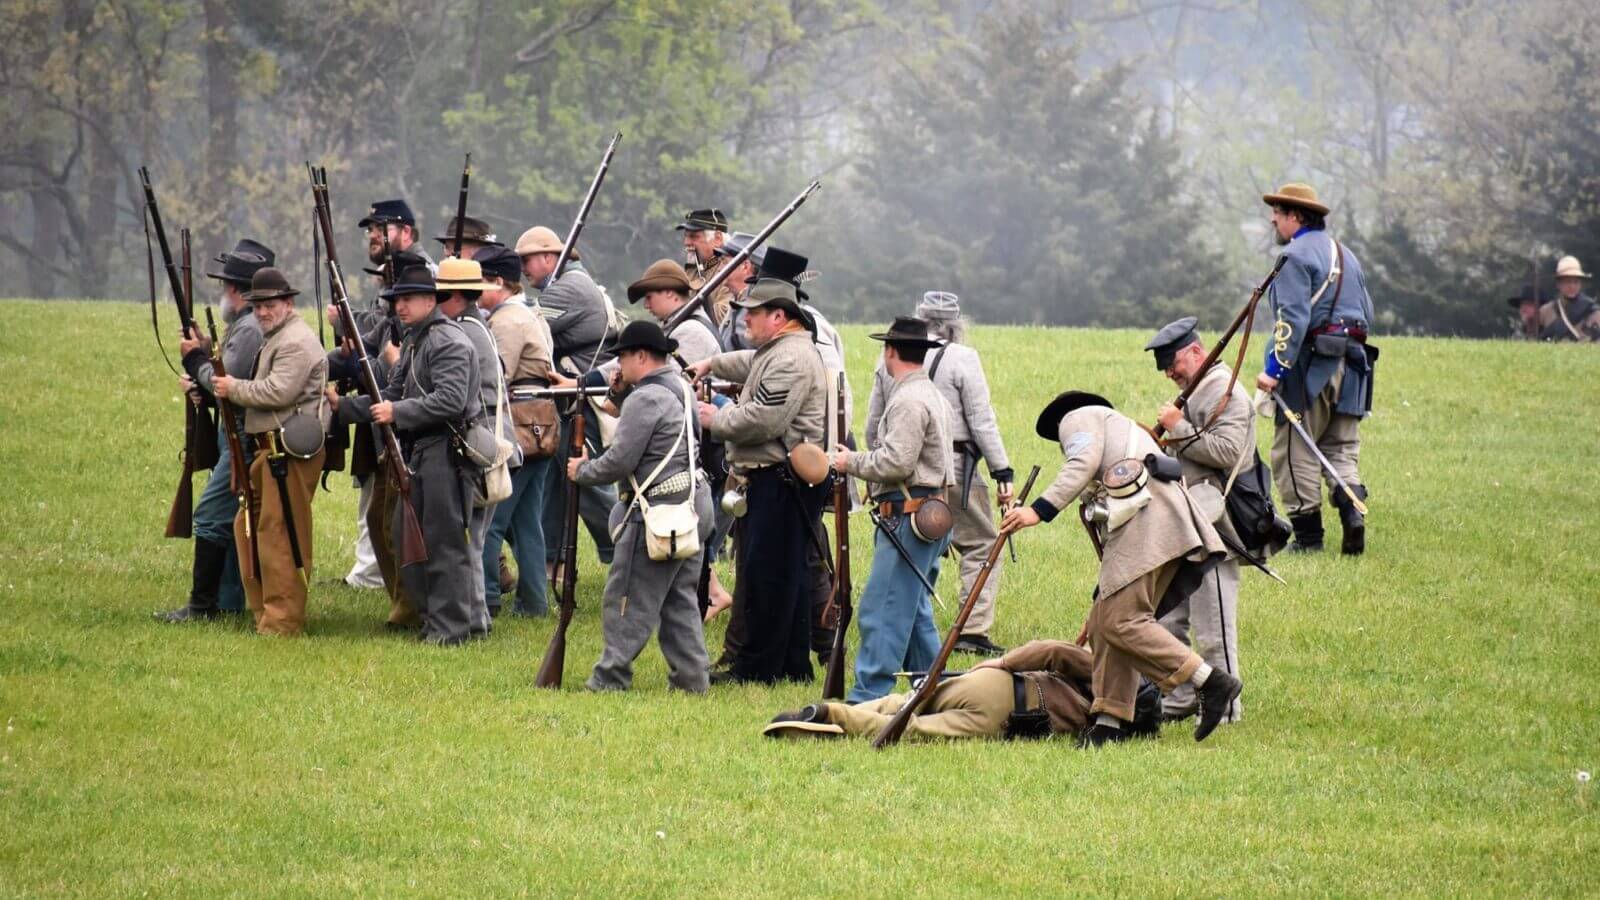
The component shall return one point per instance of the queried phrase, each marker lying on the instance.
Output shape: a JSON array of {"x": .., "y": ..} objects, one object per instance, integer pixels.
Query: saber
[
  {"x": 1294, "y": 420},
  {"x": 905, "y": 555},
  {"x": 1244, "y": 554}
]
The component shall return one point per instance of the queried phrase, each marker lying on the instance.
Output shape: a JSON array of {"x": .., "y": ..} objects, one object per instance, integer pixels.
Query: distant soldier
[
  {"x": 1572, "y": 315},
  {"x": 704, "y": 232},
  {"x": 432, "y": 389},
  {"x": 664, "y": 288},
  {"x": 957, "y": 372},
  {"x": 1212, "y": 436},
  {"x": 475, "y": 235},
  {"x": 731, "y": 326},
  {"x": 286, "y": 420},
  {"x": 782, "y": 404},
  {"x": 523, "y": 338},
  {"x": 1157, "y": 545},
  {"x": 907, "y": 465},
  {"x": 1526, "y": 304},
  {"x": 214, "y": 584},
  {"x": 1320, "y": 364},
  {"x": 655, "y": 454}
]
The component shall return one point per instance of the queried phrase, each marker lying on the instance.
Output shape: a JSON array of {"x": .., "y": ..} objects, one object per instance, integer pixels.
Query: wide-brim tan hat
[
  {"x": 803, "y": 730},
  {"x": 1569, "y": 267},
  {"x": 663, "y": 275},
  {"x": 1296, "y": 194},
  {"x": 540, "y": 239},
  {"x": 457, "y": 274}
]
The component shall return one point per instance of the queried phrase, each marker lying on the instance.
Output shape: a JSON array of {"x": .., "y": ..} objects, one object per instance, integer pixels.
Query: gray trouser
[
  {"x": 1295, "y": 471},
  {"x": 974, "y": 533},
  {"x": 642, "y": 597},
  {"x": 1211, "y": 618},
  {"x": 441, "y": 588},
  {"x": 477, "y": 532}
]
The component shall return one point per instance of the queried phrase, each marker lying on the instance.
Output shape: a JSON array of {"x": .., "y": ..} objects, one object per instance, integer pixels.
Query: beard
[
  {"x": 1280, "y": 238},
  {"x": 375, "y": 252}
]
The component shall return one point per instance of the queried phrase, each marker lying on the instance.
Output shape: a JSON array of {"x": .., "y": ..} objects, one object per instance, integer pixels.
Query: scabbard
[
  {"x": 972, "y": 457},
  {"x": 277, "y": 462},
  {"x": 905, "y": 555}
]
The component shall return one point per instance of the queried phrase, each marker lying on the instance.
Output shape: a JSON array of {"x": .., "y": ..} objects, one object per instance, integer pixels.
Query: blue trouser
[
  {"x": 518, "y": 517},
  {"x": 895, "y": 613},
  {"x": 213, "y": 521}
]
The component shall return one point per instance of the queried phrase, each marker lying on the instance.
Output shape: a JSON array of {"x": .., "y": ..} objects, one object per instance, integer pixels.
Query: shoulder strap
[
  {"x": 938, "y": 357},
  {"x": 688, "y": 429}
]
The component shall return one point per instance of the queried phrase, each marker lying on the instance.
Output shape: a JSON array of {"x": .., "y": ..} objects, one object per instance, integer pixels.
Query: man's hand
[
  {"x": 223, "y": 384},
  {"x": 707, "y": 413},
  {"x": 383, "y": 412},
  {"x": 333, "y": 312},
  {"x": 1005, "y": 492},
  {"x": 391, "y": 353},
  {"x": 574, "y": 462},
  {"x": 186, "y": 384},
  {"x": 192, "y": 340},
  {"x": 333, "y": 397},
  {"x": 1019, "y": 518},
  {"x": 1266, "y": 382},
  {"x": 561, "y": 381},
  {"x": 718, "y": 604},
  {"x": 841, "y": 457},
  {"x": 1169, "y": 416},
  {"x": 700, "y": 369}
]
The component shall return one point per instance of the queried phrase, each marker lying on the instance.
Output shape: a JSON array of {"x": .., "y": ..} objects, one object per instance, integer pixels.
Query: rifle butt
[
  {"x": 413, "y": 549},
  {"x": 555, "y": 659},
  {"x": 833, "y": 682},
  {"x": 180, "y": 519},
  {"x": 890, "y": 735}
]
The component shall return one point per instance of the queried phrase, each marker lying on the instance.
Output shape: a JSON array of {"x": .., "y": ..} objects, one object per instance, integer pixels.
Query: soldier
[
  {"x": 432, "y": 390},
  {"x": 731, "y": 327},
  {"x": 909, "y": 462},
  {"x": 214, "y": 582},
  {"x": 460, "y": 281},
  {"x": 1320, "y": 355},
  {"x": 579, "y": 316},
  {"x": 1156, "y": 545},
  {"x": 475, "y": 235},
  {"x": 525, "y": 351},
  {"x": 1573, "y": 315},
  {"x": 1527, "y": 303},
  {"x": 665, "y": 287},
  {"x": 704, "y": 233},
  {"x": 782, "y": 404},
  {"x": 1212, "y": 436},
  {"x": 1038, "y": 690},
  {"x": 656, "y": 451},
  {"x": 957, "y": 372},
  {"x": 287, "y": 422}
]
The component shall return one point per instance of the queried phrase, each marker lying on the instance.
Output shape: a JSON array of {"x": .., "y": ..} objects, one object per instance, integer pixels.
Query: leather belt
[
  {"x": 1354, "y": 332},
  {"x": 888, "y": 508}
]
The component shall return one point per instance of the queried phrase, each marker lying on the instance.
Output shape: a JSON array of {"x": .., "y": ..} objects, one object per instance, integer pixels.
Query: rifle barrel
[
  {"x": 583, "y": 210},
  {"x": 174, "y": 280}
]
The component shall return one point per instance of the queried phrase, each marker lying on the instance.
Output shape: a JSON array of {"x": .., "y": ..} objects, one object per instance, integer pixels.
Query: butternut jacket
[
  {"x": 524, "y": 341},
  {"x": 1060, "y": 672},
  {"x": 290, "y": 372},
  {"x": 1209, "y": 454},
  {"x": 912, "y": 442},
  {"x": 784, "y": 400}
]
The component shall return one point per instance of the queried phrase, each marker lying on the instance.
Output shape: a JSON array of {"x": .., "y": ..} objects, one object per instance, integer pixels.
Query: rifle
[
  {"x": 891, "y": 732},
  {"x": 1247, "y": 314},
  {"x": 238, "y": 469},
  {"x": 413, "y": 549},
  {"x": 461, "y": 207},
  {"x": 839, "y": 604},
  {"x": 555, "y": 655},
  {"x": 710, "y": 287},
  {"x": 519, "y": 394},
  {"x": 583, "y": 211}
]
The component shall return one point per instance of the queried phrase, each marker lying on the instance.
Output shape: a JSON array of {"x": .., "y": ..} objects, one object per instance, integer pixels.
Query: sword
[
  {"x": 1294, "y": 421},
  {"x": 905, "y": 555},
  {"x": 1245, "y": 555}
]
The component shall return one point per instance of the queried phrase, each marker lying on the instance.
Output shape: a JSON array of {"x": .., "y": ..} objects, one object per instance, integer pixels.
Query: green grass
[{"x": 1414, "y": 718}]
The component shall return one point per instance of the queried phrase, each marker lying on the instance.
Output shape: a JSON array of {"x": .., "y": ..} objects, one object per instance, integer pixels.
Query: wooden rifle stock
[
  {"x": 839, "y": 604},
  {"x": 413, "y": 549},
  {"x": 583, "y": 210},
  {"x": 238, "y": 469},
  {"x": 555, "y": 655},
  {"x": 710, "y": 287},
  {"x": 1247, "y": 313},
  {"x": 891, "y": 732},
  {"x": 203, "y": 450}
]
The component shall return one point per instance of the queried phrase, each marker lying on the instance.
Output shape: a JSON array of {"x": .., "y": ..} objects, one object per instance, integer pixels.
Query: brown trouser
[
  {"x": 1295, "y": 470},
  {"x": 1128, "y": 642},
  {"x": 380, "y": 525},
  {"x": 278, "y": 598},
  {"x": 974, "y": 705}
]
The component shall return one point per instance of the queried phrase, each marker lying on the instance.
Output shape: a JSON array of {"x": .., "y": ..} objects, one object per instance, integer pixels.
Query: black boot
[
  {"x": 1097, "y": 735},
  {"x": 1354, "y": 523},
  {"x": 1307, "y": 532},
  {"x": 209, "y": 561},
  {"x": 1216, "y": 695}
]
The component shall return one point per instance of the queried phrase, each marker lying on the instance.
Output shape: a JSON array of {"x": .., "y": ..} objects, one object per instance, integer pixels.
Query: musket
[
  {"x": 519, "y": 394},
  {"x": 715, "y": 281},
  {"x": 413, "y": 549},
  {"x": 1246, "y": 314},
  {"x": 238, "y": 468},
  {"x": 583, "y": 211},
  {"x": 839, "y": 610},
  {"x": 461, "y": 206},
  {"x": 896, "y": 727},
  {"x": 555, "y": 655},
  {"x": 1294, "y": 422}
]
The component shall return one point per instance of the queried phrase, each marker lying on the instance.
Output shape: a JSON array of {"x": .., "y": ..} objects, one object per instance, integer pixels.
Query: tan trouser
[
  {"x": 278, "y": 599},
  {"x": 1128, "y": 642},
  {"x": 1295, "y": 470},
  {"x": 380, "y": 524},
  {"x": 974, "y": 705},
  {"x": 971, "y": 537}
]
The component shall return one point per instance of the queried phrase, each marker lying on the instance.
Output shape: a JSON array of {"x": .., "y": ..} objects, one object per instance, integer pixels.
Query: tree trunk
[{"x": 47, "y": 220}]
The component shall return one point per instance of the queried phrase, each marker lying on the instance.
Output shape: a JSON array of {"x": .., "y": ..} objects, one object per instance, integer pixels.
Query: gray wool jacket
[
  {"x": 913, "y": 447},
  {"x": 651, "y": 420},
  {"x": 434, "y": 383},
  {"x": 959, "y": 377},
  {"x": 576, "y": 309},
  {"x": 784, "y": 400},
  {"x": 240, "y": 344}
]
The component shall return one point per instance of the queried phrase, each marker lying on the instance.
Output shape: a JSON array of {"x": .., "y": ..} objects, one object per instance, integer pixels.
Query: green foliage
[{"x": 1414, "y": 719}]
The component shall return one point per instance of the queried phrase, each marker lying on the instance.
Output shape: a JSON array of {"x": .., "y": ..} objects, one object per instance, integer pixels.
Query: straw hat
[
  {"x": 457, "y": 274},
  {"x": 1296, "y": 194},
  {"x": 1569, "y": 267}
]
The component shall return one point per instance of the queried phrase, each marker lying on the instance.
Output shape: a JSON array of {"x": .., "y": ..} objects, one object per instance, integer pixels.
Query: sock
[
  {"x": 1200, "y": 675},
  {"x": 1108, "y": 721}
]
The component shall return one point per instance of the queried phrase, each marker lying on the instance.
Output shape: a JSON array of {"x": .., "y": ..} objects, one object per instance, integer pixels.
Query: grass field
[{"x": 1415, "y": 719}]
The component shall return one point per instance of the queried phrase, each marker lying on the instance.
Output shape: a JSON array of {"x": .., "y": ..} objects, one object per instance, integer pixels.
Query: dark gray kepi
[
  {"x": 1174, "y": 337},
  {"x": 712, "y": 219},
  {"x": 1049, "y": 424},
  {"x": 908, "y": 331},
  {"x": 644, "y": 334},
  {"x": 739, "y": 240},
  {"x": 240, "y": 264}
]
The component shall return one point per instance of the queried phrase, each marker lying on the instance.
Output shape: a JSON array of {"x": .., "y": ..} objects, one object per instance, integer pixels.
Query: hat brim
[
  {"x": 665, "y": 349},
  {"x": 638, "y": 289},
  {"x": 370, "y": 221},
  {"x": 254, "y": 297},
  {"x": 450, "y": 287},
  {"x": 1048, "y": 425},
  {"x": 802, "y": 730},
  {"x": 231, "y": 279},
  {"x": 1581, "y": 275},
  {"x": 448, "y": 239},
  {"x": 405, "y": 290},
  {"x": 889, "y": 337},
  {"x": 1299, "y": 202}
]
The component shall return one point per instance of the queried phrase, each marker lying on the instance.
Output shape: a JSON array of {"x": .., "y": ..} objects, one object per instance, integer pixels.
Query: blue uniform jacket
[{"x": 1302, "y": 373}]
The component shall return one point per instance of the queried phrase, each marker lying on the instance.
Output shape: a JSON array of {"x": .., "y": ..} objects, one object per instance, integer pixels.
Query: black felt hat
[
  {"x": 712, "y": 219},
  {"x": 1049, "y": 424},
  {"x": 908, "y": 331},
  {"x": 413, "y": 280},
  {"x": 791, "y": 267},
  {"x": 645, "y": 334},
  {"x": 403, "y": 259},
  {"x": 1528, "y": 294},
  {"x": 241, "y": 263},
  {"x": 1172, "y": 338},
  {"x": 471, "y": 230},
  {"x": 386, "y": 211}
]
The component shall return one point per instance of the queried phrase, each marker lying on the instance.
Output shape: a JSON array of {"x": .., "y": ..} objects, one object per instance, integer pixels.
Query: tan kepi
[
  {"x": 456, "y": 274},
  {"x": 1296, "y": 194},
  {"x": 1569, "y": 267},
  {"x": 539, "y": 239}
]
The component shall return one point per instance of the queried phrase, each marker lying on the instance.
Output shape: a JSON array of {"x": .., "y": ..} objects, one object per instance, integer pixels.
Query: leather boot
[
  {"x": 1353, "y": 522},
  {"x": 1307, "y": 532},
  {"x": 209, "y": 561}
]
